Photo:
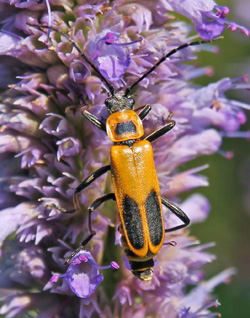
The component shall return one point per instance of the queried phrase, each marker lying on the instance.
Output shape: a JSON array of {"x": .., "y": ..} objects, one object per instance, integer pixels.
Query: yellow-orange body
[
  {"x": 137, "y": 191},
  {"x": 134, "y": 175}
]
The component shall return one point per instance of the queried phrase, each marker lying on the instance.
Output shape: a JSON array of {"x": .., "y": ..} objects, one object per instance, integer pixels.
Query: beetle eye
[
  {"x": 107, "y": 102},
  {"x": 131, "y": 102}
]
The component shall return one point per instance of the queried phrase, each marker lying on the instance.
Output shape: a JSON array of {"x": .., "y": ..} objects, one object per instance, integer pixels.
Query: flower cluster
[{"x": 47, "y": 148}]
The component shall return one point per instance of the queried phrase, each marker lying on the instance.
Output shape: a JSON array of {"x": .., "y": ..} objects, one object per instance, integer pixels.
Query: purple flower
[
  {"x": 109, "y": 56},
  {"x": 47, "y": 148},
  {"x": 68, "y": 147},
  {"x": 82, "y": 275}
]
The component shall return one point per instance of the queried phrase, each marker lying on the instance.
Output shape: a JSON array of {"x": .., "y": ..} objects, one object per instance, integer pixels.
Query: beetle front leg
[
  {"x": 92, "y": 207},
  {"x": 94, "y": 120},
  {"x": 178, "y": 212},
  {"x": 162, "y": 131},
  {"x": 145, "y": 111}
]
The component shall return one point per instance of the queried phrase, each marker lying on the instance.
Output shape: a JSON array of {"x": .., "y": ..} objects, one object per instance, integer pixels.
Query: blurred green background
[{"x": 228, "y": 223}]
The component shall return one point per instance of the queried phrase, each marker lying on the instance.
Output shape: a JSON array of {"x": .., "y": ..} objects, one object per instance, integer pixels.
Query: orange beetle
[
  {"x": 135, "y": 183},
  {"x": 134, "y": 178}
]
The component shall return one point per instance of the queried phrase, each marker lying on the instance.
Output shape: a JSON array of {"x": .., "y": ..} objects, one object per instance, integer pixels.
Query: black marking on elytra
[
  {"x": 120, "y": 228},
  {"x": 124, "y": 240},
  {"x": 127, "y": 127},
  {"x": 135, "y": 266},
  {"x": 133, "y": 222},
  {"x": 154, "y": 219}
]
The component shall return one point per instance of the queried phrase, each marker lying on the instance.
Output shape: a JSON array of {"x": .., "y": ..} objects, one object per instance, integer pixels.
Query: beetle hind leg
[
  {"x": 178, "y": 212},
  {"x": 63, "y": 210},
  {"x": 92, "y": 207}
]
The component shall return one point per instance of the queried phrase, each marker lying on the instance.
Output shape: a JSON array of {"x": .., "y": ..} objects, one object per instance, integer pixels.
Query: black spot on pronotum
[
  {"x": 133, "y": 222},
  {"x": 127, "y": 127},
  {"x": 154, "y": 219}
]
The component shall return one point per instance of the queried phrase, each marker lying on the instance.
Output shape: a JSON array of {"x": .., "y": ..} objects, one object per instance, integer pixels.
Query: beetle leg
[
  {"x": 145, "y": 111},
  {"x": 86, "y": 182},
  {"x": 91, "y": 178},
  {"x": 178, "y": 212},
  {"x": 92, "y": 207},
  {"x": 162, "y": 131},
  {"x": 94, "y": 120}
]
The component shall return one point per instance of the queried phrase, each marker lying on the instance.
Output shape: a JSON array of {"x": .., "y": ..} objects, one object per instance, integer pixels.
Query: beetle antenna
[
  {"x": 183, "y": 46},
  {"x": 102, "y": 78}
]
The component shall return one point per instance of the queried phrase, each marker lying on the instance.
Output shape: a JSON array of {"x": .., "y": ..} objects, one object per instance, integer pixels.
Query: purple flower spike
[{"x": 47, "y": 148}]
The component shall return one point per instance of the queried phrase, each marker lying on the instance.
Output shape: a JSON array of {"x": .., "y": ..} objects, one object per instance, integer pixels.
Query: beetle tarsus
[
  {"x": 85, "y": 242},
  {"x": 69, "y": 259}
]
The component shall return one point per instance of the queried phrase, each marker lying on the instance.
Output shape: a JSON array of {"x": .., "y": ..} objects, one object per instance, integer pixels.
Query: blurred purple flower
[
  {"x": 47, "y": 149},
  {"x": 108, "y": 55},
  {"x": 208, "y": 17}
]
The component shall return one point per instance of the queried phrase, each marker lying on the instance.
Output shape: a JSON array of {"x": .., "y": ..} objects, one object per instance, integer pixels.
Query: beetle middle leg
[
  {"x": 178, "y": 212},
  {"x": 92, "y": 208}
]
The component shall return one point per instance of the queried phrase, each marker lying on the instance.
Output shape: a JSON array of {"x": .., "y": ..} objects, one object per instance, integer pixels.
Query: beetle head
[{"x": 119, "y": 103}]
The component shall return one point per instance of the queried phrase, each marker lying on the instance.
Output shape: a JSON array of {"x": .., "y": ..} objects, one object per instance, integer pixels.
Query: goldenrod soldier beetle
[{"x": 133, "y": 173}]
